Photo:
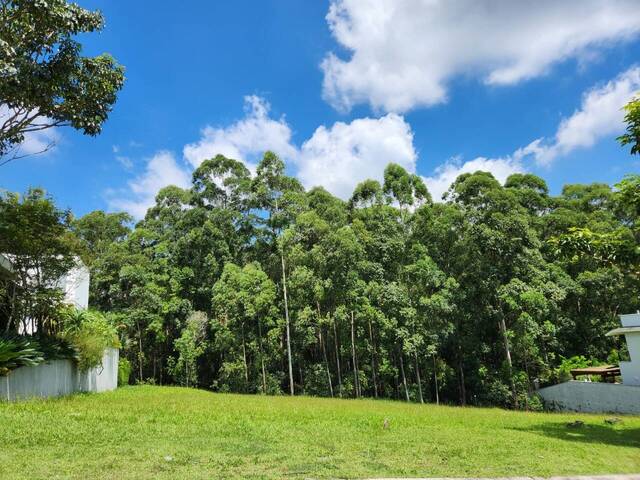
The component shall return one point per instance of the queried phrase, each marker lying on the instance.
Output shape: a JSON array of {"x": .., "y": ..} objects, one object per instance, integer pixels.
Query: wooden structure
[{"x": 608, "y": 373}]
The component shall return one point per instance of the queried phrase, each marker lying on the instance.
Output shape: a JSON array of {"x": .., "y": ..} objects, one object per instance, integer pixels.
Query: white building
[{"x": 631, "y": 330}]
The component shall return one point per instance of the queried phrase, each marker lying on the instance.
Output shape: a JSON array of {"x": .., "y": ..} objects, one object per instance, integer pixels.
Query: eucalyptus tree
[{"x": 280, "y": 196}]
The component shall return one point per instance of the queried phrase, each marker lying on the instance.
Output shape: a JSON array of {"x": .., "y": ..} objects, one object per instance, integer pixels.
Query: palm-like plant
[{"x": 18, "y": 352}]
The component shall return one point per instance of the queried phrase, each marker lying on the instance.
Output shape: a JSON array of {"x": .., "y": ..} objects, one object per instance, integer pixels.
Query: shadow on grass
[{"x": 589, "y": 433}]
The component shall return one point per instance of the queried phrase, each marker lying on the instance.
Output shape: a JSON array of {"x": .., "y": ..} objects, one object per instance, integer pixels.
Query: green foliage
[
  {"x": 189, "y": 346},
  {"x": 471, "y": 301},
  {"x": 44, "y": 80},
  {"x": 34, "y": 238},
  {"x": 563, "y": 372},
  {"x": 90, "y": 333},
  {"x": 124, "y": 372},
  {"x": 632, "y": 119},
  {"x": 18, "y": 352}
]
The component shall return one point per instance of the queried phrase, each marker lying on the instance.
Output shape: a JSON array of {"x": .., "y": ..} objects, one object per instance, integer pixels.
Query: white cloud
[
  {"x": 403, "y": 53},
  {"x": 35, "y": 142},
  {"x": 245, "y": 139},
  {"x": 340, "y": 157},
  {"x": 336, "y": 157},
  {"x": 40, "y": 142},
  {"x": 600, "y": 115},
  {"x": 162, "y": 170},
  {"x": 445, "y": 174},
  {"x": 126, "y": 162}
]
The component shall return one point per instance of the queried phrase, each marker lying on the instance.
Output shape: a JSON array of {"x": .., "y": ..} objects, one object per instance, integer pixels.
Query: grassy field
[{"x": 174, "y": 433}]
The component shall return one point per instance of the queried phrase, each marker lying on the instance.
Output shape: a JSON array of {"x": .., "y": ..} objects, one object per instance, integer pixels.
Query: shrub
[
  {"x": 124, "y": 371},
  {"x": 18, "y": 352},
  {"x": 563, "y": 372},
  {"x": 315, "y": 381},
  {"x": 55, "y": 348},
  {"x": 90, "y": 334},
  {"x": 190, "y": 347}
]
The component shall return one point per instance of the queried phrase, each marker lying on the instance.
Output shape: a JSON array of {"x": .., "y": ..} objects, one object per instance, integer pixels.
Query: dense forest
[{"x": 248, "y": 283}]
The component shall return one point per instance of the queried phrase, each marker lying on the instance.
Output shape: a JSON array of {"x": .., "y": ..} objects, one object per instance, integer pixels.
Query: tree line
[{"x": 249, "y": 283}]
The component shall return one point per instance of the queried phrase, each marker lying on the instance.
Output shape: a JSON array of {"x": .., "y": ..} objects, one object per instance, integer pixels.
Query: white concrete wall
[
  {"x": 60, "y": 377},
  {"x": 594, "y": 397},
  {"x": 630, "y": 372}
]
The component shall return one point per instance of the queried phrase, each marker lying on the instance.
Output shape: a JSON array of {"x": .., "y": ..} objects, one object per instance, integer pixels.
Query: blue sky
[{"x": 341, "y": 88}]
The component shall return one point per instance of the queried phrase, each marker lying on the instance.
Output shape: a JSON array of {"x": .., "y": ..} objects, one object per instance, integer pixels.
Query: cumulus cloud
[
  {"x": 340, "y": 157},
  {"x": 402, "y": 54},
  {"x": 599, "y": 116},
  {"x": 445, "y": 174},
  {"x": 245, "y": 139},
  {"x": 162, "y": 169}
]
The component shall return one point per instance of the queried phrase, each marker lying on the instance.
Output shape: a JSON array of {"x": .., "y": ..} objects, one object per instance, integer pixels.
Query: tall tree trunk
[
  {"x": 264, "y": 373},
  {"x": 286, "y": 316},
  {"x": 353, "y": 354},
  {"x": 324, "y": 353},
  {"x": 415, "y": 356},
  {"x": 435, "y": 379},
  {"x": 461, "y": 386},
  {"x": 140, "y": 355},
  {"x": 373, "y": 361},
  {"x": 507, "y": 351},
  {"x": 404, "y": 377},
  {"x": 335, "y": 338},
  {"x": 244, "y": 357}
]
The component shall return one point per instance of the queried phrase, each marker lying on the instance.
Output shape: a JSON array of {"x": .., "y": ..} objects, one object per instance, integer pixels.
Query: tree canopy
[{"x": 45, "y": 81}]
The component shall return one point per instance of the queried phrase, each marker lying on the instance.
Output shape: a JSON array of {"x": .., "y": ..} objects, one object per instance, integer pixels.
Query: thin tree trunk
[
  {"x": 353, "y": 354},
  {"x": 397, "y": 387},
  {"x": 404, "y": 377},
  {"x": 415, "y": 356},
  {"x": 335, "y": 338},
  {"x": 286, "y": 315},
  {"x": 264, "y": 373},
  {"x": 461, "y": 387},
  {"x": 140, "y": 347},
  {"x": 244, "y": 357},
  {"x": 373, "y": 362},
  {"x": 301, "y": 377},
  {"x": 435, "y": 379},
  {"x": 324, "y": 356},
  {"x": 507, "y": 351}
]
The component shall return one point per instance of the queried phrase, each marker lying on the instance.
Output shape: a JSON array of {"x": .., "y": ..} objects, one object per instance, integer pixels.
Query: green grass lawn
[{"x": 174, "y": 433}]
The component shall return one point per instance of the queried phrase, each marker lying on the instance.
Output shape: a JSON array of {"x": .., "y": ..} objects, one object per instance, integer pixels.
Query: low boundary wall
[
  {"x": 60, "y": 377},
  {"x": 592, "y": 397}
]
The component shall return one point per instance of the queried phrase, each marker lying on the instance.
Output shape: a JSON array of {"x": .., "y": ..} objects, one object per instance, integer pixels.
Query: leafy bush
[
  {"x": 563, "y": 372},
  {"x": 90, "y": 333},
  {"x": 190, "y": 347},
  {"x": 315, "y": 381},
  {"x": 55, "y": 348},
  {"x": 18, "y": 352},
  {"x": 124, "y": 371}
]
